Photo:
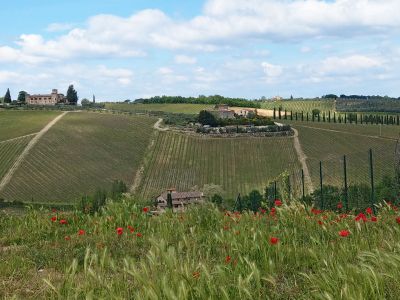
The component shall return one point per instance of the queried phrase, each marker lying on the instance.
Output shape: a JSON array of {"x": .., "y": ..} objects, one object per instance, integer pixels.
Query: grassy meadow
[
  {"x": 15, "y": 123},
  {"x": 300, "y": 105},
  {"x": 238, "y": 165},
  {"x": 171, "y": 108},
  {"x": 288, "y": 252},
  {"x": 82, "y": 152}
]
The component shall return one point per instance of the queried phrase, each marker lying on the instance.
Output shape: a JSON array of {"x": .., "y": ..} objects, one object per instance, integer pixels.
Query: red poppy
[
  {"x": 146, "y": 209},
  {"x": 374, "y": 219},
  {"x": 398, "y": 220},
  {"x": 53, "y": 219},
  {"x": 120, "y": 230},
  {"x": 262, "y": 210},
  {"x": 362, "y": 217},
  {"x": 344, "y": 233},
  {"x": 81, "y": 232},
  {"x": 320, "y": 222},
  {"x": 228, "y": 259},
  {"x": 316, "y": 211},
  {"x": 278, "y": 202},
  {"x": 63, "y": 222},
  {"x": 340, "y": 205},
  {"x": 67, "y": 238},
  {"x": 273, "y": 240},
  {"x": 131, "y": 229},
  {"x": 273, "y": 211},
  {"x": 369, "y": 211},
  {"x": 196, "y": 275},
  {"x": 138, "y": 234}
]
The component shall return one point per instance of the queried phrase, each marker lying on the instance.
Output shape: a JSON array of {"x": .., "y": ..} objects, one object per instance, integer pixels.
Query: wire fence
[{"x": 355, "y": 181}]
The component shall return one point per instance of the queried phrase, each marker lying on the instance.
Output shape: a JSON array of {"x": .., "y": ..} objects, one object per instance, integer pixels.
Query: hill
[
  {"x": 82, "y": 152},
  {"x": 170, "y": 108},
  {"x": 238, "y": 165}
]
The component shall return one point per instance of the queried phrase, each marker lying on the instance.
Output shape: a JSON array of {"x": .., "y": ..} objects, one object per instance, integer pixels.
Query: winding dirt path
[
  {"x": 302, "y": 158},
  {"x": 6, "y": 179},
  {"x": 157, "y": 125}
]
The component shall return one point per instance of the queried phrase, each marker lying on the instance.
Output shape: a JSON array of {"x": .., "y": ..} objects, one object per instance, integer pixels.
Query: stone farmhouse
[
  {"x": 46, "y": 99},
  {"x": 222, "y": 111},
  {"x": 179, "y": 199}
]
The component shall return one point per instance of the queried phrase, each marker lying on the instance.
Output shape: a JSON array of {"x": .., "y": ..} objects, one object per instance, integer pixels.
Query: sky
[{"x": 128, "y": 49}]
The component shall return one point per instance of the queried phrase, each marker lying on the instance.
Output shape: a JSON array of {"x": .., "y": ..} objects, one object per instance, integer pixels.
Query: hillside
[
  {"x": 82, "y": 152},
  {"x": 238, "y": 165},
  {"x": 171, "y": 108}
]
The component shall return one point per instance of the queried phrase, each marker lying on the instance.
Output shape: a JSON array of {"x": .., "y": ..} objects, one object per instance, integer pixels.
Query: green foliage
[
  {"x": 217, "y": 199},
  {"x": 72, "y": 95},
  {"x": 22, "y": 96},
  {"x": 118, "y": 188},
  {"x": 7, "y": 97},
  {"x": 207, "y": 118},
  {"x": 212, "y": 100}
]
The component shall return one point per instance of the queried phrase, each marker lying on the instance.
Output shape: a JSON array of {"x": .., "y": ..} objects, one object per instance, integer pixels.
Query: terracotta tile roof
[{"x": 182, "y": 195}]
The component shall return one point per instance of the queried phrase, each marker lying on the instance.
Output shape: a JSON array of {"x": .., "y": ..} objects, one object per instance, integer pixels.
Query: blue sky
[{"x": 121, "y": 49}]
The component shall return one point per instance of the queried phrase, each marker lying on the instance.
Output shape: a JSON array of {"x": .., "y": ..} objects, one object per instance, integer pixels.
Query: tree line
[{"x": 212, "y": 100}]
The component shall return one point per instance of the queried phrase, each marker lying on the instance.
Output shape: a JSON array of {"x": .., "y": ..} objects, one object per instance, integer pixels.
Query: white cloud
[
  {"x": 272, "y": 72},
  {"x": 165, "y": 71},
  {"x": 305, "y": 49},
  {"x": 184, "y": 59},
  {"x": 57, "y": 27},
  {"x": 348, "y": 64}
]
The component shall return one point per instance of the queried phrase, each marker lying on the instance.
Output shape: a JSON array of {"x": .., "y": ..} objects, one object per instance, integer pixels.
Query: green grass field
[
  {"x": 19, "y": 123},
  {"x": 201, "y": 254},
  {"x": 82, "y": 152},
  {"x": 171, "y": 108},
  {"x": 300, "y": 105},
  {"x": 239, "y": 165}
]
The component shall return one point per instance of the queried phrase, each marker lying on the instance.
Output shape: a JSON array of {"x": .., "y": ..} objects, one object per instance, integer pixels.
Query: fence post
[
  {"x": 320, "y": 182},
  {"x": 346, "y": 199},
  {"x": 302, "y": 184},
  {"x": 371, "y": 168}
]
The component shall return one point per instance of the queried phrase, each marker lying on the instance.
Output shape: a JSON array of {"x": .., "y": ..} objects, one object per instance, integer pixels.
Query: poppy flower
[
  {"x": 262, "y": 210},
  {"x": 131, "y": 229},
  {"x": 120, "y": 230},
  {"x": 374, "y": 219},
  {"x": 273, "y": 240},
  {"x": 63, "y": 222},
  {"x": 362, "y": 217},
  {"x": 53, "y": 219},
  {"x": 81, "y": 232},
  {"x": 344, "y": 233},
  {"x": 369, "y": 211},
  {"x": 138, "y": 234},
  {"x": 146, "y": 209},
  {"x": 67, "y": 238},
  {"x": 320, "y": 222},
  {"x": 196, "y": 275},
  {"x": 339, "y": 205},
  {"x": 273, "y": 211},
  {"x": 228, "y": 259},
  {"x": 278, "y": 202},
  {"x": 398, "y": 220}
]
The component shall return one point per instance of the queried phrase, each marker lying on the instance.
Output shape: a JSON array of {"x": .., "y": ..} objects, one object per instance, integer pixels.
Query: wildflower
[
  {"x": 273, "y": 211},
  {"x": 196, "y": 275},
  {"x": 54, "y": 210},
  {"x": 53, "y": 219},
  {"x": 369, "y": 211},
  {"x": 228, "y": 259},
  {"x": 340, "y": 205},
  {"x": 263, "y": 211},
  {"x": 131, "y": 229},
  {"x": 398, "y": 220},
  {"x": 344, "y": 233},
  {"x": 63, "y": 222},
  {"x": 315, "y": 211},
  {"x": 81, "y": 232},
  {"x": 278, "y": 202},
  {"x": 146, "y": 209},
  {"x": 138, "y": 234},
  {"x": 67, "y": 238},
  {"x": 120, "y": 230},
  {"x": 320, "y": 222},
  {"x": 374, "y": 219},
  {"x": 361, "y": 216},
  {"x": 273, "y": 240}
]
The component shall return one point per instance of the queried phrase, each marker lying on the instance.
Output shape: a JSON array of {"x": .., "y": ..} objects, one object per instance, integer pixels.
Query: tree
[
  {"x": 217, "y": 199},
  {"x": 207, "y": 118},
  {"x": 255, "y": 200},
  {"x": 22, "y": 96},
  {"x": 72, "y": 95},
  {"x": 169, "y": 200},
  {"x": 7, "y": 97},
  {"x": 85, "y": 102}
]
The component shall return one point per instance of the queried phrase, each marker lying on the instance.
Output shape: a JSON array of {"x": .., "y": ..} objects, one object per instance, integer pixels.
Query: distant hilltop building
[
  {"x": 277, "y": 98},
  {"x": 179, "y": 199},
  {"x": 222, "y": 111},
  {"x": 46, "y": 99}
]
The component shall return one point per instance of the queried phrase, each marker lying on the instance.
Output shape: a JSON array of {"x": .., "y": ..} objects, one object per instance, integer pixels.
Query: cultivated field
[
  {"x": 19, "y": 123},
  {"x": 300, "y": 105},
  {"x": 239, "y": 165},
  {"x": 82, "y": 152},
  {"x": 171, "y": 108},
  {"x": 9, "y": 151}
]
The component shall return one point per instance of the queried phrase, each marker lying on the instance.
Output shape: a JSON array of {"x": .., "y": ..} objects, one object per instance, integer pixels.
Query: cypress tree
[
  {"x": 279, "y": 113},
  {"x": 72, "y": 95},
  {"x": 274, "y": 113},
  {"x": 329, "y": 116},
  {"x": 302, "y": 116},
  {"x": 334, "y": 117},
  {"x": 169, "y": 200},
  {"x": 307, "y": 116},
  {"x": 296, "y": 116},
  {"x": 291, "y": 115},
  {"x": 7, "y": 97}
]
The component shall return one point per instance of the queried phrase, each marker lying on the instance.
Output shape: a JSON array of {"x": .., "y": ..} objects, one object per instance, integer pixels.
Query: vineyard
[
  {"x": 300, "y": 105},
  {"x": 82, "y": 152},
  {"x": 9, "y": 151},
  {"x": 237, "y": 165},
  {"x": 19, "y": 123},
  {"x": 170, "y": 108}
]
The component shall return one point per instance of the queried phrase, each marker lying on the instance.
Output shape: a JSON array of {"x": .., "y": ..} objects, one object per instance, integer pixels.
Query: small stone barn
[{"x": 179, "y": 199}]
